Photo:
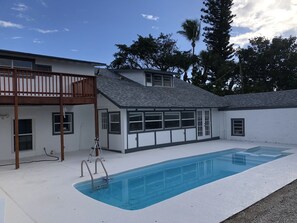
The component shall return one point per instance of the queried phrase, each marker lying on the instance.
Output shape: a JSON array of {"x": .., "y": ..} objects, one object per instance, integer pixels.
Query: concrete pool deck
[{"x": 44, "y": 192}]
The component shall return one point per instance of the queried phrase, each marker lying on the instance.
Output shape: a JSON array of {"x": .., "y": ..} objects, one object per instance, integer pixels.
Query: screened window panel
[
  {"x": 237, "y": 127},
  {"x": 68, "y": 127},
  {"x": 114, "y": 123}
]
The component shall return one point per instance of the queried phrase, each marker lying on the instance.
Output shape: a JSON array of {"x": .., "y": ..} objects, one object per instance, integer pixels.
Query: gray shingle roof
[
  {"x": 278, "y": 99},
  {"x": 126, "y": 93}
]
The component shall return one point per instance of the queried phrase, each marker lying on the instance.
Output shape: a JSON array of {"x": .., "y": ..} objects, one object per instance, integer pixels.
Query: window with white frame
[
  {"x": 171, "y": 120},
  {"x": 25, "y": 135},
  {"x": 237, "y": 127},
  {"x": 67, "y": 123},
  {"x": 114, "y": 123},
  {"x": 153, "y": 120},
  {"x": 135, "y": 121},
  {"x": 104, "y": 120},
  {"x": 188, "y": 118}
]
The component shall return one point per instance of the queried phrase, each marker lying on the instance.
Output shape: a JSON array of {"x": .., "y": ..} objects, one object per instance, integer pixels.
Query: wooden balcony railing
[{"x": 30, "y": 83}]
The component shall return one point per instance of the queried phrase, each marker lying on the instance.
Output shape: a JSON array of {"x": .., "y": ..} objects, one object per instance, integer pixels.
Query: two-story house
[{"x": 45, "y": 102}]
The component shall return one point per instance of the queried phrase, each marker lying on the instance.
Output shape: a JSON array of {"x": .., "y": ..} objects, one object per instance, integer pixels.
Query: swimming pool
[{"x": 142, "y": 187}]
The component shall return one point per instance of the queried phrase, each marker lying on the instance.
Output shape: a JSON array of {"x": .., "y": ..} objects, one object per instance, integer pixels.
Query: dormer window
[
  {"x": 158, "y": 80},
  {"x": 167, "y": 81},
  {"x": 148, "y": 79}
]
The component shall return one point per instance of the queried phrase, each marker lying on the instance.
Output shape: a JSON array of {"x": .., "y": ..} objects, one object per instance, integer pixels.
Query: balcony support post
[
  {"x": 61, "y": 118},
  {"x": 16, "y": 121},
  {"x": 96, "y": 112}
]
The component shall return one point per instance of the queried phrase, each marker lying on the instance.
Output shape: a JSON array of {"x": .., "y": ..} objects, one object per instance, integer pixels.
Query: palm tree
[{"x": 191, "y": 30}]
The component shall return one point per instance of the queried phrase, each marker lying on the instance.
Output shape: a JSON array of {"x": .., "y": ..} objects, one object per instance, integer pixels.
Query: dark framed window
[
  {"x": 68, "y": 125},
  {"x": 41, "y": 67},
  {"x": 114, "y": 123},
  {"x": 157, "y": 80},
  {"x": 237, "y": 127},
  {"x": 135, "y": 121},
  {"x": 148, "y": 79},
  {"x": 25, "y": 135},
  {"x": 167, "y": 81},
  {"x": 104, "y": 120},
  {"x": 153, "y": 120},
  {"x": 5, "y": 62},
  {"x": 22, "y": 64},
  {"x": 171, "y": 120},
  {"x": 188, "y": 118}
]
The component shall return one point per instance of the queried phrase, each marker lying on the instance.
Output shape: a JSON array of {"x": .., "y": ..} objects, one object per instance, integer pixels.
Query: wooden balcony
[
  {"x": 45, "y": 88},
  {"x": 29, "y": 87}
]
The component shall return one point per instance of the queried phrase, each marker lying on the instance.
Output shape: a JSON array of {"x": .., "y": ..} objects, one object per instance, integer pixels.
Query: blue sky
[{"x": 89, "y": 30}]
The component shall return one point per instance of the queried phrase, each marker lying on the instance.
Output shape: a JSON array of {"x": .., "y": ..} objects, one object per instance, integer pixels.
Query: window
[
  {"x": 157, "y": 80},
  {"x": 25, "y": 135},
  {"x": 153, "y": 120},
  {"x": 22, "y": 64},
  {"x": 171, "y": 120},
  {"x": 114, "y": 123},
  {"x": 188, "y": 118},
  {"x": 5, "y": 62},
  {"x": 167, "y": 81},
  {"x": 67, "y": 123},
  {"x": 104, "y": 121},
  {"x": 237, "y": 127},
  {"x": 41, "y": 67},
  {"x": 148, "y": 79},
  {"x": 199, "y": 123},
  {"x": 135, "y": 121},
  {"x": 16, "y": 63}
]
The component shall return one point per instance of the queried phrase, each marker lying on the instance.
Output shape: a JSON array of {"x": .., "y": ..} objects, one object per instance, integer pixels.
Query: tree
[
  {"x": 191, "y": 31},
  {"x": 147, "y": 53},
  {"x": 218, "y": 17},
  {"x": 269, "y": 65},
  {"x": 183, "y": 61}
]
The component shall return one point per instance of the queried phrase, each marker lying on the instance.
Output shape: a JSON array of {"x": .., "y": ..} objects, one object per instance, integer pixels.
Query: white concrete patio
[{"x": 44, "y": 192}]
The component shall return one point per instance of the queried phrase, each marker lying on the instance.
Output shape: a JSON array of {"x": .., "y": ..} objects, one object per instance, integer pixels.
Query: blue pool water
[{"x": 142, "y": 187}]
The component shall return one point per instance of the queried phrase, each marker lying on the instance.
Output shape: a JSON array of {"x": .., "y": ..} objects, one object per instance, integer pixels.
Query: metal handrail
[
  {"x": 106, "y": 174},
  {"x": 82, "y": 172}
]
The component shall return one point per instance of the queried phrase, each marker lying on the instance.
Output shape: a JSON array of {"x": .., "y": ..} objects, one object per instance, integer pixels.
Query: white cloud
[
  {"x": 21, "y": 7},
  {"x": 43, "y": 3},
  {"x": 46, "y": 31},
  {"x": 74, "y": 50},
  {"x": 22, "y": 16},
  {"x": 155, "y": 27},
  {"x": 66, "y": 30},
  {"x": 267, "y": 18},
  {"x": 150, "y": 17},
  {"x": 16, "y": 37},
  {"x": 37, "y": 41},
  {"x": 7, "y": 24}
]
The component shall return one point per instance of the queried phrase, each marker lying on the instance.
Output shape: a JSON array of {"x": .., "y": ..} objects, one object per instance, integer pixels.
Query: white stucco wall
[
  {"x": 67, "y": 67},
  {"x": 215, "y": 122},
  {"x": 266, "y": 125},
  {"x": 41, "y": 116}
]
